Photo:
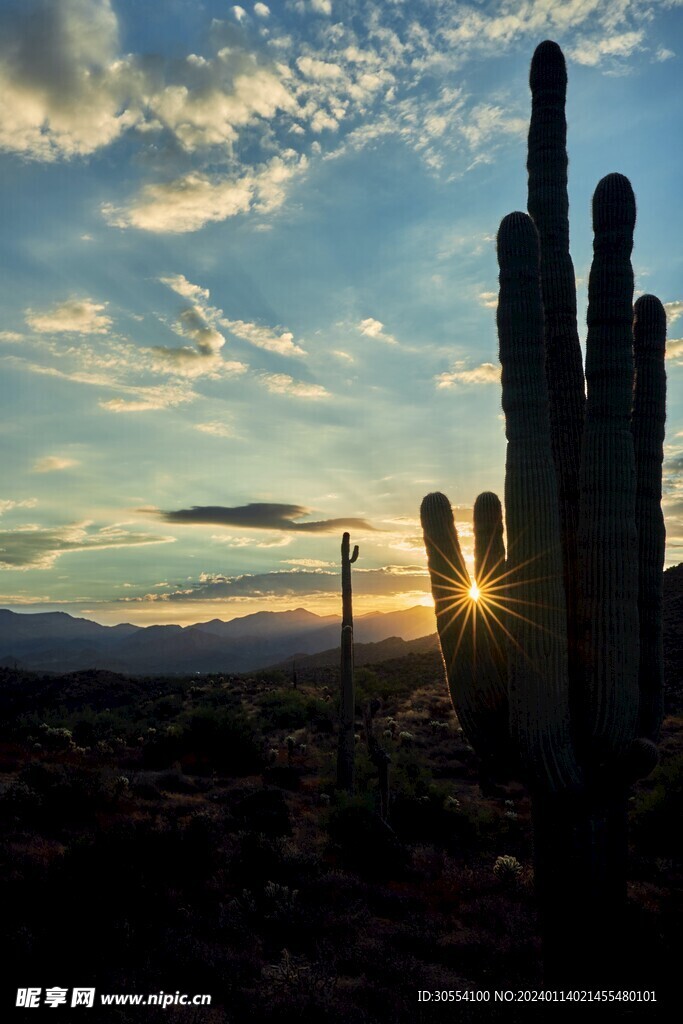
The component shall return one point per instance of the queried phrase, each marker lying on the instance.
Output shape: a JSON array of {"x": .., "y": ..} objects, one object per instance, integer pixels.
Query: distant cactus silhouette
[
  {"x": 555, "y": 671},
  {"x": 347, "y": 705}
]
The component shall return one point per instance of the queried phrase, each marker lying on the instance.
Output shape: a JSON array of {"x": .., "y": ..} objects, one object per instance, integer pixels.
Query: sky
[{"x": 248, "y": 282}]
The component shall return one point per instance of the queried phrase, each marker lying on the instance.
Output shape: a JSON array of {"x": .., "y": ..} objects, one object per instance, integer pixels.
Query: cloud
[
  {"x": 208, "y": 340},
  {"x": 486, "y": 121},
  {"x": 216, "y": 428},
  {"x": 489, "y": 299},
  {"x": 69, "y": 90},
  {"x": 79, "y": 316},
  {"x": 674, "y": 348},
  {"x": 186, "y": 362},
  {"x": 181, "y": 286},
  {"x": 673, "y": 310},
  {"x": 198, "y": 323},
  {"x": 321, "y": 70},
  {"x": 148, "y": 399},
  {"x": 7, "y": 504},
  {"x": 590, "y": 52},
  {"x": 261, "y": 516},
  {"x": 110, "y": 369},
  {"x": 299, "y": 582},
  {"x": 309, "y": 563},
  {"x": 264, "y": 337},
  {"x": 189, "y": 203},
  {"x": 283, "y": 384},
  {"x": 486, "y": 373},
  {"x": 261, "y": 10},
  {"x": 65, "y": 89},
  {"x": 11, "y": 336},
  {"x": 249, "y": 542},
  {"x": 53, "y": 463},
  {"x": 230, "y": 92},
  {"x": 35, "y": 547},
  {"x": 372, "y": 328}
]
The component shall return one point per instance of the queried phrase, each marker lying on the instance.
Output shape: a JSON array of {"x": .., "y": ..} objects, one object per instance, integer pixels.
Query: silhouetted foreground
[{"x": 165, "y": 834}]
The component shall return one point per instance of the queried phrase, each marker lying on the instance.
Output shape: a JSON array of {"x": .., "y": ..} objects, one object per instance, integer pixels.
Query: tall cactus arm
[
  {"x": 489, "y": 550},
  {"x": 537, "y": 656},
  {"x": 548, "y": 206},
  {"x": 607, "y": 530},
  {"x": 490, "y": 575},
  {"x": 649, "y": 414},
  {"x": 346, "y": 563},
  {"x": 476, "y": 686}
]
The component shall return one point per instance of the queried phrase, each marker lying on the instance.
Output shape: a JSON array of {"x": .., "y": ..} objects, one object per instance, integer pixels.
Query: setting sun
[{"x": 474, "y": 592}]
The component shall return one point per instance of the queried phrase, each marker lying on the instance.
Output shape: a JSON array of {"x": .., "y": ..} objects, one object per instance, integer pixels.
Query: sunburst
[{"x": 484, "y": 604}]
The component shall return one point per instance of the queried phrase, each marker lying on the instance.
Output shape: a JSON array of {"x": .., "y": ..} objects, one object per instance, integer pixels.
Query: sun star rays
[{"x": 487, "y": 609}]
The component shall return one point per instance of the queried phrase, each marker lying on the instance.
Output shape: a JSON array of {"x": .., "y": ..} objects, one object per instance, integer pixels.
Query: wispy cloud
[
  {"x": 485, "y": 373},
  {"x": 79, "y": 316},
  {"x": 216, "y": 428},
  {"x": 674, "y": 348},
  {"x": 283, "y": 384},
  {"x": 35, "y": 547},
  {"x": 282, "y": 343},
  {"x": 591, "y": 52},
  {"x": 673, "y": 310},
  {"x": 197, "y": 322},
  {"x": 297, "y": 582},
  {"x": 188, "y": 203},
  {"x": 230, "y": 541},
  {"x": 149, "y": 399},
  {"x": 7, "y": 504},
  {"x": 53, "y": 463}
]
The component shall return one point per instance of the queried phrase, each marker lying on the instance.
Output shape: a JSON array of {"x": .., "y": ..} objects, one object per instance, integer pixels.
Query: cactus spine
[
  {"x": 579, "y": 595},
  {"x": 347, "y": 704}
]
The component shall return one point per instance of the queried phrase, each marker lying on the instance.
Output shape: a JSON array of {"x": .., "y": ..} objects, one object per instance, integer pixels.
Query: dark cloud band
[{"x": 261, "y": 516}]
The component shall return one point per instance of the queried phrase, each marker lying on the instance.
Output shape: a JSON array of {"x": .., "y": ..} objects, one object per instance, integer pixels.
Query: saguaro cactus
[
  {"x": 347, "y": 703},
  {"x": 557, "y": 647}
]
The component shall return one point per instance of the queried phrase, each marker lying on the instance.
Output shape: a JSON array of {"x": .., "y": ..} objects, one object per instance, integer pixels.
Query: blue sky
[{"x": 248, "y": 264}]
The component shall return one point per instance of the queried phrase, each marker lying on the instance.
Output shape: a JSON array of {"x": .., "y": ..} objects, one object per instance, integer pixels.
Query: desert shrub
[
  {"x": 223, "y": 741},
  {"x": 657, "y": 809},
  {"x": 507, "y": 869},
  {"x": 362, "y": 841},
  {"x": 291, "y": 709},
  {"x": 372, "y": 684},
  {"x": 55, "y": 737},
  {"x": 53, "y": 795}
]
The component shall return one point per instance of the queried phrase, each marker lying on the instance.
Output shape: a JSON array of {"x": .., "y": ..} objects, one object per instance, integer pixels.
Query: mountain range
[{"x": 57, "y": 642}]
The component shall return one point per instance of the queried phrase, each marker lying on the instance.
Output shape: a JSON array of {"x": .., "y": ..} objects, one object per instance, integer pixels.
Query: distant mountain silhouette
[
  {"x": 364, "y": 654},
  {"x": 57, "y": 642}
]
